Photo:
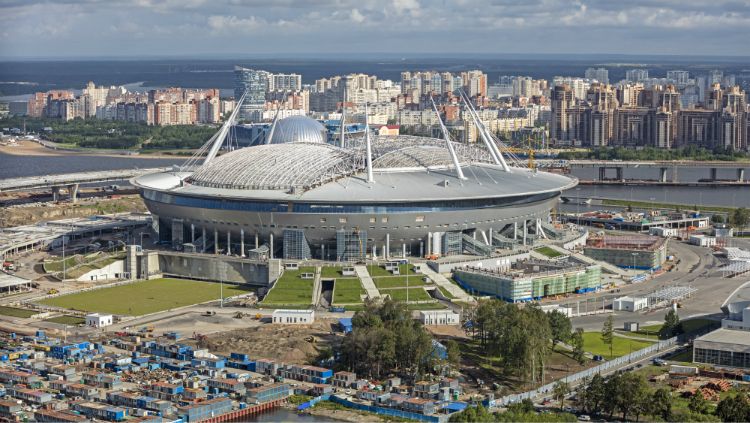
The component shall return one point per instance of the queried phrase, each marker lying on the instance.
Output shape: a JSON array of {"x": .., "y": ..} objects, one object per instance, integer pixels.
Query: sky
[{"x": 194, "y": 28}]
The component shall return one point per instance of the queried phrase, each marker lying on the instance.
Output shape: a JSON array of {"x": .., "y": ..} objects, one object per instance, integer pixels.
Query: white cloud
[
  {"x": 356, "y": 16},
  {"x": 220, "y": 24}
]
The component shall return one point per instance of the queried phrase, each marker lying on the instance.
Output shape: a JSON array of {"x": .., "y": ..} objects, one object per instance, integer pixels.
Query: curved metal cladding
[
  {"x": 294, "y": 129},
  {"x": 320, "y": 190}
]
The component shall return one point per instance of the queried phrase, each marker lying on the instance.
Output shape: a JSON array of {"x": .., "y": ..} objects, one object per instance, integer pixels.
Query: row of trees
[
  {"x": 95, "y": 133},
  {"x": 385, "y": 339},
  {"x": 520, "y": 412},
  {"x": 522, "y": 337},
  {"x": 651, "y": 153}
]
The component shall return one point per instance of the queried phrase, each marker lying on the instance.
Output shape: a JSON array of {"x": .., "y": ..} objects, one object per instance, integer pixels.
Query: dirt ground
[
  {"x": 37, "y": 212},
  {"x": 275, "y": 341},
  {"x": 31, "y": 148}
]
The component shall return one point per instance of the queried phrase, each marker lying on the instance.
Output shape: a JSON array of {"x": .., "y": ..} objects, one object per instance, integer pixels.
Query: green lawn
[
  {"x": 592, "y": 342},
  {"x": 330, "y": 272},
  {"x": 17, "y": 312},
  {"x": 347, "y": 291},
  {"x": 290, "y": 289},
  {"x": 549, "y": 252},
  {"x": 445, "y": 292},
  {"x": 146, "y": 296},
  {"x": 415, "y": 294},
  {"x": 397, "y": 282},
  {"x": 67, "y": 320},
  {"x": 53, "y": 266}
]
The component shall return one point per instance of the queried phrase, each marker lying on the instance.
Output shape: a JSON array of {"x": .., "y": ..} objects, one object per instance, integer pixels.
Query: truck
[{"x": 9, "y": 265}]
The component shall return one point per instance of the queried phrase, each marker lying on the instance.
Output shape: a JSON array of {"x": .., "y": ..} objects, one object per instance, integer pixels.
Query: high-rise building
[
  {"x": 284, "y": 82},
  {"x": 255, "y": 83},
  {"x": 678, "y": 77},
  {"x": 636, "y": 75},
  {"x": 599, "y": 74}
]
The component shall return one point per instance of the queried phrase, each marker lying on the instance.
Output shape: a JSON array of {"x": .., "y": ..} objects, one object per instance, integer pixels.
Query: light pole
[{"x": 634, "y": 255}]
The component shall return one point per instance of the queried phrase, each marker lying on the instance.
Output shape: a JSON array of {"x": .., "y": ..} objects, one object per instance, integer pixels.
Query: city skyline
[{"x": 198, "y": 27}]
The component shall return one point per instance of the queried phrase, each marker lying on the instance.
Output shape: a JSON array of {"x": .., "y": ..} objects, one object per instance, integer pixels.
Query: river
[{"x": 12, "y": 166}]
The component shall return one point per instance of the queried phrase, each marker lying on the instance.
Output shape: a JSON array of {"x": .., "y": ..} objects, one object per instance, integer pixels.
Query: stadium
[{"x": 298, "y": 197}]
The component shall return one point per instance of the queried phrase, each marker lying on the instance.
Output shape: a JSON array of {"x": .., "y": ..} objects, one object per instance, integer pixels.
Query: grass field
[
  {"x": 592, "y": 342},
  {"x": 67, "y": 320},
  {"x": 397, "y": 282},
  {"x": 549, "y": 252},
  {"x": 16, "y": 312},
  {"x": 57, "y": 265},
  {"x": 330, "y": 272},
  {"x": 347, "y": 291},
  {"x": 415, "y": 294},
  {"x": 290, "y": 289},
  {"x": 145, "y": 297},
  {"x": 445, "y": 292}
]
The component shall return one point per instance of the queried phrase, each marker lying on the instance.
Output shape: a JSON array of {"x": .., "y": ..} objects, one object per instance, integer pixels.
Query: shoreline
[{"x": 32, "y": 148}]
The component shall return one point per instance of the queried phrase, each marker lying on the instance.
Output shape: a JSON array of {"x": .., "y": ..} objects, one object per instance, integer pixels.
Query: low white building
[
  {"x": 292, "y": 317},
  {"x": 663, "y": 232},
  {"x": 703, "y": 240},
  {"x": 439, "y": 318},
  {"x": 98, "y": 320},
  {"x": 629, "y": 304},
  {"x": 567, "y": 311}
]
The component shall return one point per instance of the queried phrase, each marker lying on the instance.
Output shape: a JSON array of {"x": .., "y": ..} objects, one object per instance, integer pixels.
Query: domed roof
[{"x": 295, "y": 129}]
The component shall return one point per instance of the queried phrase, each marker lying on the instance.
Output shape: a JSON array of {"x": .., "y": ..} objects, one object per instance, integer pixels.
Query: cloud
[{"x": 92, "y": 27}]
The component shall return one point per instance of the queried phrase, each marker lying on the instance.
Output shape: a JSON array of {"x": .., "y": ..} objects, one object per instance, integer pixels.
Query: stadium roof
[{"x": 294, "y": 129}]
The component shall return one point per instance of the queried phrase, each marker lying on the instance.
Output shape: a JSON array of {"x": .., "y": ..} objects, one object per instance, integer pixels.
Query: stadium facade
[{"x": 298, "y": 197}]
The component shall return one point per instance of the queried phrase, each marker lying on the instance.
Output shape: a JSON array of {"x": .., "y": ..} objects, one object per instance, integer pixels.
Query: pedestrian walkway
[
  {"x": 367, "y": 283},
  {"x": 316, "y": 287},
  {"x": 444, "y": 283}
]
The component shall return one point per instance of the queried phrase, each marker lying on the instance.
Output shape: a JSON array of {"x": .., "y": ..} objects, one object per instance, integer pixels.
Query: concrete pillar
[
  {"x": 203, "y": 231},
  {"x": 620, "y": 172},
  {"x": 421, "y": 248},
  {"x": 73, "y": 192},
  {"x": 713, "y": 174},
  {"x": 387, "y": 251},
  {"x": 55, "y": 194},
  {"x": 323, "y": 251},
  {"x": 489, "y": 232},
  {"x": 242, "y": 243},
  {"x": 375, "y": 252},
  {"x": 663, "y": 174},
  {"x": 192, "y": 233},
  {"x": 429, "y": 244},
  {"x": 270, "y": 245},
  {"x": 229, "y": 243},
  {"x": 602, "y": 173},
  {"x": 436, "y": 248},
  {"x": 403, "y": 250},
  {"x": 256, "y": 240},
  {"x": 216, "y": 241},
  {"x": 525, "y": 231},
  {"x": 515, "y": 231},
  {"x": 740, "y": 175}
]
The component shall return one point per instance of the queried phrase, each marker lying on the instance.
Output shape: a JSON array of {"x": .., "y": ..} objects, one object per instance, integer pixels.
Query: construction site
[{"x": 628, "y": 251}]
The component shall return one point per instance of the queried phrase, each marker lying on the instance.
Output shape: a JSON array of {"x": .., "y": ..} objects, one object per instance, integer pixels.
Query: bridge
[
  {"x": 71, "y": 181},
  {"x": 664, "y": 166}
]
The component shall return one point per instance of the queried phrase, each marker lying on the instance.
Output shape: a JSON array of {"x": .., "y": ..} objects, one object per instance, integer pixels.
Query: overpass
[
  {"x": 664, "y": 166},
  {"x": 71, "y": 181}
]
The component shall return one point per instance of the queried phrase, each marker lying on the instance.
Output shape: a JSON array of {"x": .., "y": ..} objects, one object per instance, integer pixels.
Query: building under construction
[
  {"x": 530, "y": 279},
  {"x": 630, "y": 252}
]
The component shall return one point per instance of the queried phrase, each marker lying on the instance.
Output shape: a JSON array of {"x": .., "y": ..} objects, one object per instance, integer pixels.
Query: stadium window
[
  {"x": 373, "y": 220},
  {"x": 322, "y": 220},
  {"x": 420, "y": 219},
  {"x": 383, "y": 220},
  {"x": 342, "y": 220}
]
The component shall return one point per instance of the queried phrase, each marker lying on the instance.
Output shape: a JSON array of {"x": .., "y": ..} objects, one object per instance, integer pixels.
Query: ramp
[
  {"x": 367, "y": 283},
  {"x": 444, "y": 283}
]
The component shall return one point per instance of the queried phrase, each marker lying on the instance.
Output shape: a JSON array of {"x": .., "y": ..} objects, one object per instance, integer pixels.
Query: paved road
[{"x": 698, "y": 269}]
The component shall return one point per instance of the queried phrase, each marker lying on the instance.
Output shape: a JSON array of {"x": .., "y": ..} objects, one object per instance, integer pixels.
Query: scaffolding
[
  {"x": 295, "y": 245},
  {"x": 351, "y": 245},
  {"x": 669, "y": 295}
]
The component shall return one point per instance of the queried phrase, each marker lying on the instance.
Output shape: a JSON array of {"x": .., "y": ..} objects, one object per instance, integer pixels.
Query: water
[
  {"x": 283, "y": 415},
  {"x": 13, "y": 166}
]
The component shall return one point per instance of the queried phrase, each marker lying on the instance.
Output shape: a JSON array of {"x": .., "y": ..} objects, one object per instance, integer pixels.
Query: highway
[{"x": 61, "y": 180}]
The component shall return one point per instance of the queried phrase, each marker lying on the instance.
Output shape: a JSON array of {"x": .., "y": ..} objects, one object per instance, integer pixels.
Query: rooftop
[{"x": 727, "y": 336}]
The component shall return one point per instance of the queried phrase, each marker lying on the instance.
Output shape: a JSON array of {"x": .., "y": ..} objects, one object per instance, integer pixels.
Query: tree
[
  {"x": 671, "y": 326},
  {"x": 608, "y": 333},
  {"x": 661, "y": 404},
  {"x": 734, "y": 409},
  {"x": 561, "y": 327},
  {"x": 631, "y": 395},
  {"x": 740, "y": 217},
  {"x": 717, "y": 218},
  {"x": 473, "y": 414},
  {"x": 560, "y": 391},
  {"x": 454, "y": 352},
  {"x": 576, "y": 341},
  {"x": 594, "y": 394},
  {"x": 698, "y": 403}
]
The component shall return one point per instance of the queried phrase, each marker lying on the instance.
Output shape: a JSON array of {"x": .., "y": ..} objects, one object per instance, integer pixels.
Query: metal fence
[{"x": 607, "y": 365}]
